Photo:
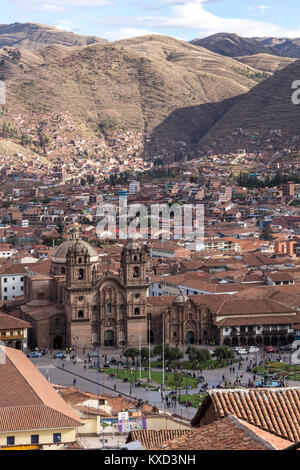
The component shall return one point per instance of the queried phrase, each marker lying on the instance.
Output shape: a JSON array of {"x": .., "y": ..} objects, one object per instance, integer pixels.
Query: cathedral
[{"x": 76, "y": 304}]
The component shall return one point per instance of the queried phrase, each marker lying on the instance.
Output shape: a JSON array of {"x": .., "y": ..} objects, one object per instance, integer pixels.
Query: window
[
  {"x": 136, "y": 271},
  {"x": 22, "y": 279},
  {"x": 5, "y": 297},
  {"x": 137, "y": 311},
  {"x": 5, "y": 289},
  {"x": 80, "y": 314},
  {"x": 57, "y": 323},
  {"x": 137, "y": 296},
  {"x": 57, "y": 438},
  {"x": 108, "y": 308},
  {"x": 80, "y": 274},
  {"x": 34, "y": 439},
  {"x": 5, "y": 279},
  {"x": 80, "y": 298},
  {"x": 80, "y": 260},
  {"x": 10, "y": 440}
]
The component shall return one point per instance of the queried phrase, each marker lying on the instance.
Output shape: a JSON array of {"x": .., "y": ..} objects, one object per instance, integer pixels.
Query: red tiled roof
[
  {"x": 230, "y": 433},
  {"x": 276, "y": 410},
  {"x": 27, "y": 399}
]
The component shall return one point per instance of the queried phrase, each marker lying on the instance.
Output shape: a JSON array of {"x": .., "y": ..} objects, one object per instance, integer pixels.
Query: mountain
[
  {"x": 266, "y": 62},
  {"x": 231, "y": 45},
  {"x": 35, "y": 36},
  {"x": 164, "y": 89},
  {"x": 267, "y": 107},
  {"x": 284, "y": 47}
]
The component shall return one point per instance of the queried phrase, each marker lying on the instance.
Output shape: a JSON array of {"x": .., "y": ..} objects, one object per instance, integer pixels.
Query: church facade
[{"x": 76, "y": 304}]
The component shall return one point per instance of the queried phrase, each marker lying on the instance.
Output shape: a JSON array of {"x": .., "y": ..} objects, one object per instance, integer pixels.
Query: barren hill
[
  {"x": 284, "y": 47},
  {"x": 265, "y": 108},
  {"x": 266, "y": 62},
  {"x": 153, "y": 84},
  {"x": 35, "y": 36},
  {"x": 232, "y": 45}
]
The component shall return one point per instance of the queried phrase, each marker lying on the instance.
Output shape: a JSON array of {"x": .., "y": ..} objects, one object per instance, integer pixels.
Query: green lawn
[
  {"x": 282, "y": 369},
  {"x": 188, "y": 365},
  {"x": 196, "y": 399},
  {"x": 157, "y": 377}
]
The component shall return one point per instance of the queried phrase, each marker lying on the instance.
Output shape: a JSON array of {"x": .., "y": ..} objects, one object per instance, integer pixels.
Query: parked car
[
  {"x": 59, "y": 355},
  {"x": 253, "y": 349},
  {"x": 268, "y": 349},
  {"x": 287, "y": 347},
  {"x": 34, "y": 354},
  {"x": 242, "y": 351},
  {"x": 94, "y": 354}
]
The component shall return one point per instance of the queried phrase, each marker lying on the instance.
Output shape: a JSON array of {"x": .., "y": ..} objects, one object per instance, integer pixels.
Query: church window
[
  {"x": 57, "y": 323},
  {"x": 80, "y": 274},
  {"x": 80, "y": 260},
  {"x": 136, "y": 271},
  {"x": 80, "y": 298},
  {"x": 63, "y": 271},
  {"x": 137, "y": 296},
  {"x": 135, "y": 258},
  {"x": 137, "y": 311},
  {"x": 95, "y": 308},
  {"x": 108, "y": 308},
  {"x": 174, "y": 334},
  {"x": 80, "y": 314}
]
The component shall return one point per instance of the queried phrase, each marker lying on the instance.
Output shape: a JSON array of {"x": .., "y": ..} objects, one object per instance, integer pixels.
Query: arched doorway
[
  {"x": 109, "y": 338},
  {"x": 251, "y": 341},
  {"x": 259, "y": 340},
  {"x": 274, "y": 340},
  {"x": 282, "y": 340},
  {"x": 290, "y": 339},
  {"x": 235, "y": 341},
  {"x": 190, "y": 337},
  {"x": 267, "y": 341},
  {"x": 243, "y": 341},
  {"x": 226, "y": 341},
  {"x": 57, "y": 342}
]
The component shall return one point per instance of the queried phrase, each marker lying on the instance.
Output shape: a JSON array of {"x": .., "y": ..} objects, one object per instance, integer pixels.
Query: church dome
[
  {"x": 76, "y": 246},
  {"x": 181, "y": 298}
]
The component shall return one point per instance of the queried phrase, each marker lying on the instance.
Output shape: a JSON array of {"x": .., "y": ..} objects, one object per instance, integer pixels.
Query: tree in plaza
[
  {"x": 173, "y": 355},
  {"x": 223, "y": 353},
  {"x": 158, "y": 350},
  {"x": 170, "y": 354},
  {"x": 197, "y": 355},
  {"x": 132, "y": 353},
  {"x": 145, "y": 353}
]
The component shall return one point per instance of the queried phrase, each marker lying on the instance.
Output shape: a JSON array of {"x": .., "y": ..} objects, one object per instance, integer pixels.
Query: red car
[{"x": 268, "y": 349}]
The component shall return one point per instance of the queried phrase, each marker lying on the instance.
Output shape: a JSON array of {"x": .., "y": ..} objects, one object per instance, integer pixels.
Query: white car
[
  {"x": 253, "y": 349},
  {"x": 242, "y": 351}
]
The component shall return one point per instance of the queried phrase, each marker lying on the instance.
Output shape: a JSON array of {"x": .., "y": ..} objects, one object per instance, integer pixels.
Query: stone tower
[{"x": 133, "y": 275}]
